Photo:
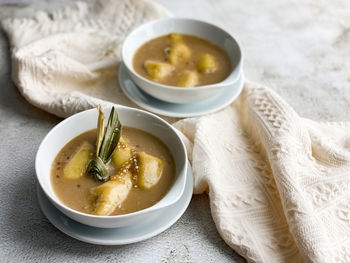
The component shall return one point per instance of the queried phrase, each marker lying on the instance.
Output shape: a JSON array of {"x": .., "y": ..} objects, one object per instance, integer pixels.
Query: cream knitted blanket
[{"x": 279, "y": 185}]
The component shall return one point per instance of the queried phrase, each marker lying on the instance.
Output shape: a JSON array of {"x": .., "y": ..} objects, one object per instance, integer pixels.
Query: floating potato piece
[
  {"x": 206, "y": 63},
  {"x": 122, "y": 153},
  {"x": 76, "y": 167},
  {"x": 150, "y": 170},
  {"x": 187, "y": 78},
  {"x": 175, "y": 37},
  {"x": 158, "y": 70},
  {"x": 179, "y": 53},
  {"x": 111, "y": 194}
]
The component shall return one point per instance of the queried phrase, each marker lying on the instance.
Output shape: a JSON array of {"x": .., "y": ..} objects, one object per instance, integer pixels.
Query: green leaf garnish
[{"x": 107, "y": 140}]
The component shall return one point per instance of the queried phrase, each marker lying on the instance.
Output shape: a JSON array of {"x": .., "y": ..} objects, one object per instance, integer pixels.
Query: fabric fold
[
  {"x": 65, "y": 61},
  {"x": 274, "y": 179}
]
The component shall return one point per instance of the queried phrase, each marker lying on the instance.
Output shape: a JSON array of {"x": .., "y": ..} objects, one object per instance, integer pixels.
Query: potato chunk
[
  {"x": 76, "y": 167},
  {"x": 179, "y": 53},
  {"x": 174, "y": 37},
  {"x": 111, "y": 194},
  {"x": 122, "y": 153},
  {"x": 150, "y": 170},
  {"x": 206, "y": 63},
  {"x": 158, "y": 70},
  {"x": 188, "y": 78}
]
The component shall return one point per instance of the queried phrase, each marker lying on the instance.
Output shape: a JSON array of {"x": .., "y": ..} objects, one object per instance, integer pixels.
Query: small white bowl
[
  {"x": 166, "y": 26},
  {"x": 71, "y": 127}
]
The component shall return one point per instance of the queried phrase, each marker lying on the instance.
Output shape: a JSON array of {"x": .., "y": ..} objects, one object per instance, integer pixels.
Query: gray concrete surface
[{"x": 300, "y": 49}]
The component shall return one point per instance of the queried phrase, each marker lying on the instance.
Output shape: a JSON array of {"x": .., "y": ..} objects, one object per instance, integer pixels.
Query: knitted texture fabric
[
  {"x": 65, "y": 61},
  {"x": 279, "y": 184}
]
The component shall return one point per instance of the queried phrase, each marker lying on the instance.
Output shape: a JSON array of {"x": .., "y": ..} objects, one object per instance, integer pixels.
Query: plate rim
[
  {"x": 122, "y": 71},
  {"x": 157, "y": 231}
]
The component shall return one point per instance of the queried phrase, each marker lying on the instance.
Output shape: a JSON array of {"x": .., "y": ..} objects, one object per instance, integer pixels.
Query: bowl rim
[
  {"x": 235, "y": 70},
  {"x": 58, "y": 202}
]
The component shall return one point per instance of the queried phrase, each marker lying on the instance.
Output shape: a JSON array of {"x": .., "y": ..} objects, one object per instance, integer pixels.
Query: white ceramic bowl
[
  {"x": 202, "y": 29},
  {"x": 71, "y": 127}
]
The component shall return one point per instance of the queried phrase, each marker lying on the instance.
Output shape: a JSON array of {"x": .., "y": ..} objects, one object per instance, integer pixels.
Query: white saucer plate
[
  {"x": 213, "y": 104},
  {"x": 151, "y": 227}
]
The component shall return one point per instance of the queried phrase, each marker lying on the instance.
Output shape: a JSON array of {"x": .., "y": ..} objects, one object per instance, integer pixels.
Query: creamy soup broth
[
  {"x": 76, "y": 193},
  {"x": 156, "y": 50}
]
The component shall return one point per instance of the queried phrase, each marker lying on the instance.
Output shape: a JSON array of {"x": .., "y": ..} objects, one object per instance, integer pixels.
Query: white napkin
[
  {"x": 66, "y": 61},
  {"x": 279, "y": 185}
]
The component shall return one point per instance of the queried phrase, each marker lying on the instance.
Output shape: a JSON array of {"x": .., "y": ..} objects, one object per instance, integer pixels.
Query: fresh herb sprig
[{"x": 107, "y": 140}]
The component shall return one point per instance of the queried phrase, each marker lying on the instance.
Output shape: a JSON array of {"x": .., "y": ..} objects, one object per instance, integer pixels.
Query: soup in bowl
[
  {"x": 182, "y": 60},
  {"x": 112, "y": 176}
]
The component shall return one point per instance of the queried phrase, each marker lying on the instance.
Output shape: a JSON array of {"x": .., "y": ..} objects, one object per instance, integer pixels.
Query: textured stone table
[{"x": 300, "y": 49}]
